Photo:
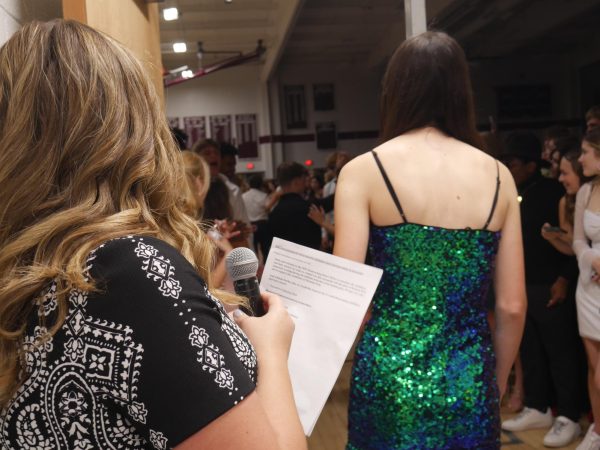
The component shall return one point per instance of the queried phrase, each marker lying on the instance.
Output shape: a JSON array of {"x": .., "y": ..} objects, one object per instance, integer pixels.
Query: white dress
[{"x": 586, "y": 243}]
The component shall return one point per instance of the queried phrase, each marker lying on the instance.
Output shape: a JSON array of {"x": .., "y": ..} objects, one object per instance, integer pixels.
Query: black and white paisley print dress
[{"x": 143, "y": 363}]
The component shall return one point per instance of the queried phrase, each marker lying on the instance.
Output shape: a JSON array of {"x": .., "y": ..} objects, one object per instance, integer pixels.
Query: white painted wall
[
  {"x": 357, "y": 97},
  {"x": 229, "y": 91},
  {"x": 236, "y": 90},
  {"x": 356, "y": 107},
  {"x": 9, "y": 19},
  {"x": 14, "y": 13},
  {"x": 239, "y": 90}
]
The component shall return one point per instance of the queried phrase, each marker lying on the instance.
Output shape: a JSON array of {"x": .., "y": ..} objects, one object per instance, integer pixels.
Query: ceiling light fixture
[
  {"x": 228, "y": 1},
  {"x": 187, "y": 74},
  {"x": 179, "y": 47},
  {"x": 171, "y": 13},
  {"x": 178, "y": 69}
]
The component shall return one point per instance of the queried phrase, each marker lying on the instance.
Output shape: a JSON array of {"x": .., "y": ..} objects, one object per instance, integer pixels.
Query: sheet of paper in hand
[{"x": 327, "y": 297}]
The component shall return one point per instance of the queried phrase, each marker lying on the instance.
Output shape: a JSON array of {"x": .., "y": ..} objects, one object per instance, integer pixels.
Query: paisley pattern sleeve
[{"x": 144, "y": 362}]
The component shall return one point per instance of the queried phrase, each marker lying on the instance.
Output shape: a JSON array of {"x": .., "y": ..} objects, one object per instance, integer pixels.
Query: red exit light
[
  {"x": 249, "y": 166},
  {"x": 308, "y": 162}
]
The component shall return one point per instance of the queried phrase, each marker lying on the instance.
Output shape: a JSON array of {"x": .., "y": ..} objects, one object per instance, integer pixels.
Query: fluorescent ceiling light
[
  {"x": 187, "y": 74},
  {"x": 170, "y": 13},
  {"x": 177, "y": 70},
  {"x": 179, "y": 47}
]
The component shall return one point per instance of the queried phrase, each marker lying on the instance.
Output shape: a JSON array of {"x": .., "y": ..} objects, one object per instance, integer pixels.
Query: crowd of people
[
  {"x": 552, "y": 379},
  {"x": 550, "y": 374},
  {"x": 250, "y": 211},
  {"x": 118, "y": 325}
]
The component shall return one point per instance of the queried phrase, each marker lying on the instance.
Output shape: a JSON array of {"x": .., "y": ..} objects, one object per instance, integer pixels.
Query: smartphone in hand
[{"x": 552, "y": 229}]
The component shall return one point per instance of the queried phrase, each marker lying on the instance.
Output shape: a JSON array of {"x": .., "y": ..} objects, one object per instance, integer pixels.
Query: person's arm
[
  {"x": 351, "y": 214},
  {"x": 267, "y": 419},
  {"x": 509, "y": 283},
  {"x": 317, "y": 215},
  {"x": 561, "y": 241},
  {"x": 220, "y": 235},
  {"x": 327, "y": 203},
  {"x": 586, "y": 255},
  {"x": 219, "y": 272},
  {"x": 193, "y": 379},
  {"x": 568, "y": 271},
  {"x": 272, "y": 199},
  {"x": 564, "y": 224},
  {"x": 351, "y": 219}
]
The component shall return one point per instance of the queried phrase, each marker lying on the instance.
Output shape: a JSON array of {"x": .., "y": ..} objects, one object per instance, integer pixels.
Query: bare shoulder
[
  {"x": 488, "y": 161},
  {"x": 562, "y": 204},
  {"x": 477, "y": 155},
  {"x": 358, "y": 168},
  {"x": 359, "y": 162},
  {"x": 506, "y": 177},
  {"x": 584, "y": 190}
]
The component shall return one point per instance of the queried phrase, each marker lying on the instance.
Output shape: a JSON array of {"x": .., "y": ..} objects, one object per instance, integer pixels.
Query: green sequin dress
[{"x": 423, "y": 374}]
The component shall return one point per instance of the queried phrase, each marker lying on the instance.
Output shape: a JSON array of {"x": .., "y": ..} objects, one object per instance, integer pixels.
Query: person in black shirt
[
  {"x": 111, "y": 334},
  {"x": 289, "y": 219},
  {"x": 549, "y": 347}
]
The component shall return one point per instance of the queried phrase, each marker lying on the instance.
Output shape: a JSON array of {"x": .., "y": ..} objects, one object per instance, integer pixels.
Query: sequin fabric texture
[{"x": 423, "y": 375}]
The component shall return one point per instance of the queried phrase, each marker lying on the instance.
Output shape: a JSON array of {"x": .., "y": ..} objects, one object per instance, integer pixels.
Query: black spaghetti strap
[
  {"x": 389, "y": 185},
  {"x": 495, "y": 197}
]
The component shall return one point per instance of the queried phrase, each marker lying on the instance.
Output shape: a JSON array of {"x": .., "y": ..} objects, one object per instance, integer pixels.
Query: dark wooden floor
[{"x": 330, "y": 431}]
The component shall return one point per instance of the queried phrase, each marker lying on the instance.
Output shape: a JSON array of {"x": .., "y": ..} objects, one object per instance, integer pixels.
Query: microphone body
[
  {"x": 248, "y": 287},
  {"x": 242, "y": 265}
]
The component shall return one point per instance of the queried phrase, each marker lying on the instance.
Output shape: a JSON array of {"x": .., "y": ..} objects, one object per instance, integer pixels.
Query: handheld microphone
[{"x": 242, "y": 265}]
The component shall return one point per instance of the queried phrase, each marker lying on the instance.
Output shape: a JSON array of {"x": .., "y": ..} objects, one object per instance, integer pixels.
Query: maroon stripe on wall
[
  {"x": 346, "y": 135},
  {"x": 374, "y": 134},
  {"x": 286, "y": 138}
]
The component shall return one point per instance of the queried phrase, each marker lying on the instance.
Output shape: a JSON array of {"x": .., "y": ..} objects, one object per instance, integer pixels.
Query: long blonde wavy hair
[
  {"x": 196, "y": 169},
  {"x": 85, "y": 156}
]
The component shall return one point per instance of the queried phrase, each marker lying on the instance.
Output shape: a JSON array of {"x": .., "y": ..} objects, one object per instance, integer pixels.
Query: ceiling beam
[
  {"x": 287, "y": 14},
  {"x": 396, "y": 33}
]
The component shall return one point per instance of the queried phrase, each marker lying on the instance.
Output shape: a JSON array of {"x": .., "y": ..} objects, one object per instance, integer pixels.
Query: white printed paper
[{"x": 327, "y": 297}]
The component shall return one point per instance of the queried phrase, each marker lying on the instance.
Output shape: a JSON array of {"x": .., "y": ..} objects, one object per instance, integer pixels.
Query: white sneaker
[
  {"x": 528, "y": 419},
  {"x": 563, "y": 432},
  {"x": 591, "y": 441}
]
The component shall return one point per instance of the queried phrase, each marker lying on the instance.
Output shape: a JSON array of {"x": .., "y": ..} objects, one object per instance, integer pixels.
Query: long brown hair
[
  {"x": 592, "y": 137},
  {"x": 85, "y": 156},
  {"x": 427, "y": 83},
  {"x": 572, "y": 156}
]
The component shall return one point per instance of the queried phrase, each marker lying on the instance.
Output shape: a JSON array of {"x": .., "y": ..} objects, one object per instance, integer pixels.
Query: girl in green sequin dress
[{"x": 441, "y": 218}]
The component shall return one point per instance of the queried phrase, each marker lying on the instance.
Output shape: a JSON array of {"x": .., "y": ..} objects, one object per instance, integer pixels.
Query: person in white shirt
[
  {"x": 222, "y": 203},
  {"x": 256, "y": 203}
]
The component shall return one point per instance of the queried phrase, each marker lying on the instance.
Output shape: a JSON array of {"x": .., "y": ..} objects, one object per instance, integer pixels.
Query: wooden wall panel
[{"x": 134, "y": 23}]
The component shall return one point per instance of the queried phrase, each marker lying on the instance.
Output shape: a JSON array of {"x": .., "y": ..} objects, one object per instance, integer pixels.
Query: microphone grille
[{"x": 241, "y": 263}]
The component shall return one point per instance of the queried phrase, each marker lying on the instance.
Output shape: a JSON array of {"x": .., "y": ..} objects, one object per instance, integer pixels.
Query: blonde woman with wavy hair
[
  {"x": 198, "y": 180},
  {"x": 197, "y": 174},
  {"x": 110, "y": 337}
]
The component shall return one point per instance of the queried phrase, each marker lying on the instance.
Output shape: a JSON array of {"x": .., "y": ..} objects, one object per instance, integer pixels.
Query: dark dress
[
  {"x": 143, "y": 363},
  {"x": 424, "y": 369}
]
